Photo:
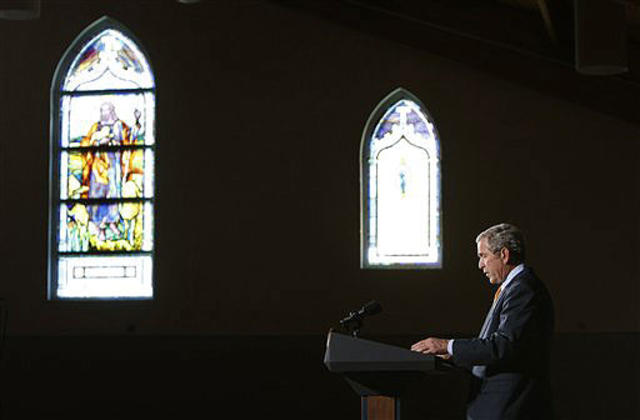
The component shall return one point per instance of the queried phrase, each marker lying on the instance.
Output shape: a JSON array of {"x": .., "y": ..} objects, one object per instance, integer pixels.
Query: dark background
[{"x": 260, "y": 112}]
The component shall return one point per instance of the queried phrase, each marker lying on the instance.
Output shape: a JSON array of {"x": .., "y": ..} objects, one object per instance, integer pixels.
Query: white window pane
[
  {"x": 403, "y": 200},
  {"x": 105, "y": 277},
  {"x": 404, "y": 189}
]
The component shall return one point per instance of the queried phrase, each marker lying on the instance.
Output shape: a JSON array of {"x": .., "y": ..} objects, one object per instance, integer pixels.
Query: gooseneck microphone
[{"x": 353, "y": 321}]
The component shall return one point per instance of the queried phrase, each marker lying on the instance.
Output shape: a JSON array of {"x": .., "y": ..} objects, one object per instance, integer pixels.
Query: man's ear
[{"x": 504, "y": 255}]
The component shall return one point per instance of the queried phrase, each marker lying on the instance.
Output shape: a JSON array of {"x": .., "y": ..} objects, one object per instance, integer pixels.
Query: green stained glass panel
[{"x": 105, "y": 227}]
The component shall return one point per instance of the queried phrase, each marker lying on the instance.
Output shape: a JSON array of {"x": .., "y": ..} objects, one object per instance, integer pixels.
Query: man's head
[
  {"x": 500, "y": 249},
  {"x": 108, "y": 113}
]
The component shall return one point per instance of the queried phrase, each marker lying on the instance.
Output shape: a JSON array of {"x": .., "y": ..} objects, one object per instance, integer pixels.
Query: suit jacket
[{"x": 510, "y": 358}]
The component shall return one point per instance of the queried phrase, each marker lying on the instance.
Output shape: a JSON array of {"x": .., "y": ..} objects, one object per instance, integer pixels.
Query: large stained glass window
[
  {"x": 400, "y": 170},
  {"x": 103, "y": 152}
]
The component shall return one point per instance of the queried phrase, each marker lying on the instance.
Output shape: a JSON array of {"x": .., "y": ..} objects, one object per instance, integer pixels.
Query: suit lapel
[
  {"x": 487, "y": 320},
  {"x": 484, "y": 332}
]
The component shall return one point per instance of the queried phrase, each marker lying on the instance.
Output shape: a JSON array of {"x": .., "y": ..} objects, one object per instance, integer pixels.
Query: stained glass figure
[
  {"x": 103, "y": 137},
  {"x": 104, "y": 174},
  {"x": 401, "y": 186},
  {"x": 127, "y": 117}
]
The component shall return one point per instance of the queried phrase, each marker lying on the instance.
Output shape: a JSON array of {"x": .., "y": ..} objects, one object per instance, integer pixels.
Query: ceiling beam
[
  {"x": 490, "y": 37},
  {"x": 546, "y": 17}
]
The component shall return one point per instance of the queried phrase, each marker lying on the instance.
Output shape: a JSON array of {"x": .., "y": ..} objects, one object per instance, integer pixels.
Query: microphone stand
[{"x": 353, "y": 324}]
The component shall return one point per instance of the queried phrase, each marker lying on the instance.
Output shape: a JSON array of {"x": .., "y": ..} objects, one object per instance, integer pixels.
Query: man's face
[
  {"x": 494, "y": 266},
  {"x": 106, "y": 112}
]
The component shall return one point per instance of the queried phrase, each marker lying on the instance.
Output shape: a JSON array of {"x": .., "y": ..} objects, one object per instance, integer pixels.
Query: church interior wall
[{"x": 260, "y": 112}]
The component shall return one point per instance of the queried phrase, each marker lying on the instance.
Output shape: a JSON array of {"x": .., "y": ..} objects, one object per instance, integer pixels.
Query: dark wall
[{"x": 260, "y": 113}]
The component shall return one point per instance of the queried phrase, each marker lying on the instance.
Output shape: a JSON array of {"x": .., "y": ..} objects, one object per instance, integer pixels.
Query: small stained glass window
[
  {"x": 401, "y": 213},
  {"x": 103, "y": 153}
]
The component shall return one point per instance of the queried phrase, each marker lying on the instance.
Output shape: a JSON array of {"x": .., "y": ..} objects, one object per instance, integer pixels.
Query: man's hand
[{"x": 431, "y": 345}]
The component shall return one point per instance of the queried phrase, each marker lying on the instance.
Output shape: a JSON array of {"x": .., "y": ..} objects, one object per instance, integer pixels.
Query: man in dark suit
[{"x": 509, "y": 360}]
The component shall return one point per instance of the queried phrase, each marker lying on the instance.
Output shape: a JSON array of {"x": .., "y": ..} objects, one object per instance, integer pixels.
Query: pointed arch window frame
[
  {"x": 376, "y": 115},
  {"x": 56, "y": 95}
]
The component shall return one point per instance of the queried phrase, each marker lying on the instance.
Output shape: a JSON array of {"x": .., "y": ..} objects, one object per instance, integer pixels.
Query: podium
[{"x": 380, "y": 373}]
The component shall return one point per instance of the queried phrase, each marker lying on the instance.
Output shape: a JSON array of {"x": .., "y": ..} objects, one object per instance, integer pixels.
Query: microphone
[{"x": 370, "y": 308}]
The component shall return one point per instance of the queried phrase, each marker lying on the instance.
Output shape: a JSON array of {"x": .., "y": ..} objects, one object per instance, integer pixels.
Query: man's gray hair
[{"x": 507, "y": 236}]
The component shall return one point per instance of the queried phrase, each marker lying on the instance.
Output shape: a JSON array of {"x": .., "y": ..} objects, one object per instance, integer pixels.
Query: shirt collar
[{"x": 517, "y": 270}]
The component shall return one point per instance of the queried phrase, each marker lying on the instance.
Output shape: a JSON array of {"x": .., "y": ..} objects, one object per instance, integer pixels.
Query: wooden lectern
[{"x": 379, "y": 373}]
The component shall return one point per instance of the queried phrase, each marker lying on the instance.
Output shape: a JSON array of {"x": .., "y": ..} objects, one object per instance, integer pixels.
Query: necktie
[
  {"x": 485, "y": 325},
  {"x": 497, "y": 294}
]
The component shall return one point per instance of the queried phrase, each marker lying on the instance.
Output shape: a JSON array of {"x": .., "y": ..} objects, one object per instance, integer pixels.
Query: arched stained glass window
[
  {"x": 400, "y": 197},
  {"x": 102, "y": 168}
]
